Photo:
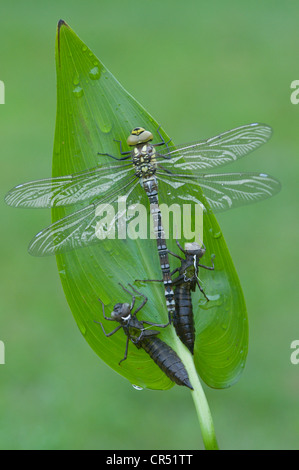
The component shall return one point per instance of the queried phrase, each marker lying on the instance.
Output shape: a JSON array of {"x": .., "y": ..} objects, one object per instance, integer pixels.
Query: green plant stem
[{"x": 199, "y": 398}]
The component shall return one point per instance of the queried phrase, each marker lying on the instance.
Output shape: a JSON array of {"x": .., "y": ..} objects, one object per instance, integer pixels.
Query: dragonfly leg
[
  {"x": 112, "y": 156},
  {"x": 174, "y": 254},
  {"x": 142, "y": 295},
  {"x": 132, "y": 303},
  {"x": 137, "y": 340},
  {"x": 127, "y": 152},
  {"x": 174, "y": 271},
  {"x": 201, "y": 290},
  {"x": 136, "y": 291},
  {"x": 126, "y": 290},
  {"x": 111, "y": 332},
  {"x": 180, "y": 247},
  {"x": 164, "y": 325},
  {"x": 211, "y": 268},
  {"x": 163, "y": 142},
  {"x": 140, "y": 307},
  {"x": 103, "y": 308},
  {"x": 164, "y": 169},
  {"x": 126, "y": 352},
  {"x": 133, "y": 298}
]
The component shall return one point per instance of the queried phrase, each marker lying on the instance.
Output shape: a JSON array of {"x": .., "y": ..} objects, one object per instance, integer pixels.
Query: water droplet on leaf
[
  {"x": 82, "y": 328},
  {"x": 78, "y": 91},
  {"x": 215, "y": 233},
  {"x": 94, "y": 73},
  {"x": 76, "y": 80},
  {"x": 62, "y": 273},
  {"x": 214, "y": 301},
  {"x": 137, "y": 387}
]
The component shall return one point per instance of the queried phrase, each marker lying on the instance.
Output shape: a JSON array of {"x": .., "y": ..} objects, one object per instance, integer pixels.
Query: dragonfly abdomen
[
  {"x": 167, "y": 359},
  {"x": 183, "y": 320},
  {"x": 151, "y": 188}
]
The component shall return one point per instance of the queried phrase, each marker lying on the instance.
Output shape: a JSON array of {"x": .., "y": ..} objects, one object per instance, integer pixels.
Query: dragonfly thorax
[
  {"x": 144, "y": 160},
  {"x": 191, "y": 270}
]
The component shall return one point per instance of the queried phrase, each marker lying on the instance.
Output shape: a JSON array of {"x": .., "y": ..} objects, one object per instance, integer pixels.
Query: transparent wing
[
  {"x": 225, "y": 191},
  {"x": 82, "y": 228},
  {"x": 217, "y": 151},
  {"x": 68, "y": 190}
]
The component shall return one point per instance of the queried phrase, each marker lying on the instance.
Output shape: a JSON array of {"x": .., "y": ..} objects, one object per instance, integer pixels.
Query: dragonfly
[
  {"x": 185, "y": 283},
  {"x": 171, "y": 166},
  {"x": 143, "y": 337},
  {"x": 182, "y": 169}
]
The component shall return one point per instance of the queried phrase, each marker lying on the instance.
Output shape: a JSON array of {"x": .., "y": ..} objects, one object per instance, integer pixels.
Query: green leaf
[{"x": 92, "y": 110}]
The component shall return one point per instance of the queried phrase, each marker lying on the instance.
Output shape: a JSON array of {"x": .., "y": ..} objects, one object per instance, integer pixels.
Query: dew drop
[
  {"x": 105, "y": 124},
  {"x": 76, "y": 80},
  {"x": 137, "y": 387},
  {"x": 82, "y": 328},
  {"x": 62, "y": 273},
  {"x": 214, "y": 301},
  {"x": 215, "y": 234},
  {"x": 78, "y": 91},
  {"x": 94, "y": 73}
]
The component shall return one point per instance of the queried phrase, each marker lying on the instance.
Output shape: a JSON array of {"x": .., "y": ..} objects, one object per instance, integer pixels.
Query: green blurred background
[{"x": 199, "y": 68}]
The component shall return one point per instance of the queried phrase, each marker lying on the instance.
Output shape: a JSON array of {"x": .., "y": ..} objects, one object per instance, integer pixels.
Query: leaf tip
[{"x": 61, "y": 23}]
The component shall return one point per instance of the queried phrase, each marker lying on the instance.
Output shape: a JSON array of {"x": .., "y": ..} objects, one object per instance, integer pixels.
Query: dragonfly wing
[
  {"x": 220, "y": 150},
  {"x": 81, "y": 228},
  {"x": 229, "y": 190},
  {"x": 73, "y": 231},
  {"x": 67, "y": 190}
]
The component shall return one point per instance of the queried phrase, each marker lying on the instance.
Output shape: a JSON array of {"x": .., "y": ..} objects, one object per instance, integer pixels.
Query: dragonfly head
[
  {"x": 195, "y": 249},
  {"x": 139, "y": 136},
  {"x": 120, "y": 311}
]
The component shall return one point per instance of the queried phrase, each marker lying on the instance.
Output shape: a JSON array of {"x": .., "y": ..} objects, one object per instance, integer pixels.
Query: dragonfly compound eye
[
  {"x": 139, "y": 136},
  {"x": 202, "y": 252},
  {"x": 195, "y": 249}
]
